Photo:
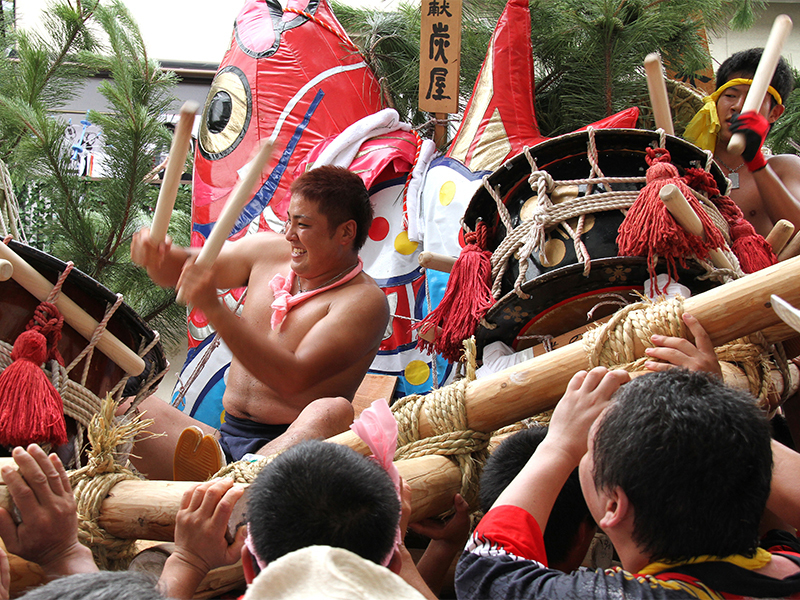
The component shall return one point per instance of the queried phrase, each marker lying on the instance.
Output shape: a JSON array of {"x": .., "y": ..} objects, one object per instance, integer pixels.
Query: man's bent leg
[
  {"x": 321, "y": 419},
  {"x": 153, "y": 456}
]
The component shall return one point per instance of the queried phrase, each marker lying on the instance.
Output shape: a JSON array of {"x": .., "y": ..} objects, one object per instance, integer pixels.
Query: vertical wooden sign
[{"x": 440, "y": 56}]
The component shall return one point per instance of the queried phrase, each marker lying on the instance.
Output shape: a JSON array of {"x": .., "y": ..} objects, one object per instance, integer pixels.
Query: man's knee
[{"x": 330, "y": 414}]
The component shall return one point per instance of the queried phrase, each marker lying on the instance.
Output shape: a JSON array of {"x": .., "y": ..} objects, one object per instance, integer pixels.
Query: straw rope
[
  {"x": 92, "y": 483},
  {"x": 613, "y": 344}
]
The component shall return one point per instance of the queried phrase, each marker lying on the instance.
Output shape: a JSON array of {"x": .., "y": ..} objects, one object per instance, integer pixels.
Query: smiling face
[
  {"x": 317, "y": 249},
  {"x": 732, "y": 99}
]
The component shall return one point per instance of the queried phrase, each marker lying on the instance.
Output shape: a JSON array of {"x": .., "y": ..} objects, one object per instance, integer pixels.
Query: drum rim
[
  {"x": 569, "y": 272},
  {"x": 502, "y": 177}
]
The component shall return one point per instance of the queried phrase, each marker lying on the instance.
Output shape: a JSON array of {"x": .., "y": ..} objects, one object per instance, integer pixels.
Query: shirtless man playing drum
[
  {"x": 309, "y": 330},
  {"x": 766, "y": 190}
]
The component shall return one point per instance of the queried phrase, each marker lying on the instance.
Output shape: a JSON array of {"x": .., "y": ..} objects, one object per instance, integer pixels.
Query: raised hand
[
  {"x": 754, "y": 127},
  {"x": 680, "y": 352}
]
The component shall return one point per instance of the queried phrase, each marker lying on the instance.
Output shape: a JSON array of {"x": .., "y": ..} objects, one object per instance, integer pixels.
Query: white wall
[{"x": 732, "y": 41}]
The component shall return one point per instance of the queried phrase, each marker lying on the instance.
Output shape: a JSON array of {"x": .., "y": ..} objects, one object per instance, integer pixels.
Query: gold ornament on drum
[{"x": 561, "y": 193}]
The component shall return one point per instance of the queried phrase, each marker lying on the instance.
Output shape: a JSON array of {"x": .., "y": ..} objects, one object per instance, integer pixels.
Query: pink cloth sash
[
  {"x": 378, "y": 428},
  {"x": 284, "y": 301}
]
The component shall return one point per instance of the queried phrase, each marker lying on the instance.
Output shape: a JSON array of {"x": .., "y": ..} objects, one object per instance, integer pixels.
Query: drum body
[
  {"x": 17, "y": 307},
  {"x": 563, "y": 290}
]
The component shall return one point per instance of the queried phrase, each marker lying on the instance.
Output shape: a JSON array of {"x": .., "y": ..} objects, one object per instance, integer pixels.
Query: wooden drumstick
[
  {"x": 791, "y": 249},
  {"x": 779, "y": 235},
  {"x": 781, "y": 28},
  {"x": 685, "y": 216},
  {"x": 435, "y": 261},
  {"x": 6, "y": 270},
  {"x": 240, "y": 196},
  {"x": 78, "y": 319},
  {"x": 657, "y": 88},
  {"x": 173, "y": 172},
  {"x": 430, "y": 334}
]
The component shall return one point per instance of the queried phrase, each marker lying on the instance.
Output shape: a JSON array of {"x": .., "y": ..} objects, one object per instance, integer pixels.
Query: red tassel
[
  {"x": 467, "y": 298},
  {"x": 752, "y": 250},
  {"x": 649, "y": 229},
  {"x": 31, "y": 409}
]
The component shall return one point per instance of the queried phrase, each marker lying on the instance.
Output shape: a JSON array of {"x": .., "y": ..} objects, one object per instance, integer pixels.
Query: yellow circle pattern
[
  {"x": 417, "y": 372},
  {"x": 403, "y": 245},
  {"x": 447, "y": 192}
]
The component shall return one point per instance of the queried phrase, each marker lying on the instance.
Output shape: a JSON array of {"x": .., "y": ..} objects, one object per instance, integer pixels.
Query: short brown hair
[{"x": 340, "y": 195}]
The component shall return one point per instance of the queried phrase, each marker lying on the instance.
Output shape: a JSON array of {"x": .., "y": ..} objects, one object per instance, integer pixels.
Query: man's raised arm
[
  {"x": 537, "y": 486},
  {"x": 350, "y": 331}
]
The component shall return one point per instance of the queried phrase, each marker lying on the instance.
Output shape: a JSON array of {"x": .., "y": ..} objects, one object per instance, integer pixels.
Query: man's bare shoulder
[
  {"x": 365, "y": 295},
  {"x": 786, "y": 165}
]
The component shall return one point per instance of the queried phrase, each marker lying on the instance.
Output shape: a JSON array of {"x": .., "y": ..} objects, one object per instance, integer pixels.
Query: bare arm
[
  {"x": 537, "y": 486},
  {"x": 163, "y": 261},
  {"x": 784, "y": 495},
  {"x": 166, "y": 263},
  {"x": 779, "y": 186},
  {"x": 353, "y": 327},
  {"x": 200, "y": 542},
  {"x": 447, "y": 543},
  {"x": 402, "y": 562}
]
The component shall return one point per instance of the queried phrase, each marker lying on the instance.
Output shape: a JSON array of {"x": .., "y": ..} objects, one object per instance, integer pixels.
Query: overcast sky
[
  {"x": 199, "y": 30},
  {"x": 176, "y": 30}
]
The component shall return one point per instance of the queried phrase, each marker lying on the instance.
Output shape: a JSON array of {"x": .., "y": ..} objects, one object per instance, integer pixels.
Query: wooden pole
[
  {"x": 781, "y": 28},
  {"x": 146, "y": 510},
  {"x": 440, "y": 130},
  {"x": 779, "y": 235},
  {"x": 6, "y": 270},
  {"x": 172, "y": 175},
  {"x": 728, "y": 312},
  {"x": 658, "y": 93},
  {"x": 74, "y": 315},
  {"x": 435, "y": 261},
  {"x": 791, "y": 249}
]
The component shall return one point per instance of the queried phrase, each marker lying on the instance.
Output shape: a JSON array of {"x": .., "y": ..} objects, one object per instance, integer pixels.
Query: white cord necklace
[{"x": 327, "y": 283}]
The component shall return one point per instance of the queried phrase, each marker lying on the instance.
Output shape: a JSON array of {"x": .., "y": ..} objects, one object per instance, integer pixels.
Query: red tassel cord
[
  {"x": 650, "y": 230},
  {"x": 467, "y": 298},
  {"x": 31, "y": 409},
  {"x": 752, "y": 250}
]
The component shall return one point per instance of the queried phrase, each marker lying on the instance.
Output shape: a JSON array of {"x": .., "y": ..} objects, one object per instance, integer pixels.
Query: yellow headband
[{"x": 703, "y": 128}]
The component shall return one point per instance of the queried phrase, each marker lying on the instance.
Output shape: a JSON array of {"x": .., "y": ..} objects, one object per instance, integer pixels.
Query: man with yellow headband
[{"x": 768, "y": 189}]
